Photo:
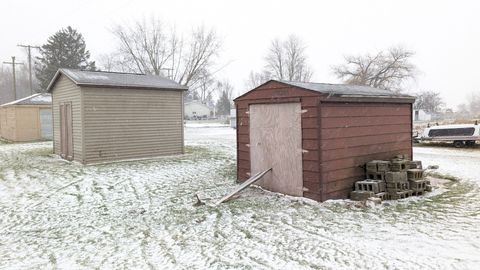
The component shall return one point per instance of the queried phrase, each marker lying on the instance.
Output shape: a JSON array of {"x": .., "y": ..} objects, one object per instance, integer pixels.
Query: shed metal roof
[
  {"x": 35, "y": 99},
  {"x": 344, "y": 90},
  {"x": 116, "y": 80}
]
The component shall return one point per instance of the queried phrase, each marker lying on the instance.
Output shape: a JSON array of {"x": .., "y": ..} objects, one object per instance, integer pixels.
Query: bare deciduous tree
[
  {"x": 156, "y": 49},
  {"x": 386, "y": 70},
  {"x": 205, "y": 87},
  {"x": 287, "y": 60},
  {"x": 255, "y": 79},
  {"x": 202, "y": 48},
  {"x": 145, "y": 44},
  {"x": 430, "y": 101}
]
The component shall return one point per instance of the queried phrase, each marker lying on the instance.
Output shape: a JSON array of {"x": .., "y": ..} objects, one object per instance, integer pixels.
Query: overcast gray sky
[{"x": 444, "y": 34}]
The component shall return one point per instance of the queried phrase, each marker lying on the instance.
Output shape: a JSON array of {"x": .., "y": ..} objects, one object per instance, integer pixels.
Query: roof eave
[
  {"x": 55, "y": 78},
  {"x": 182, "y": 88}
]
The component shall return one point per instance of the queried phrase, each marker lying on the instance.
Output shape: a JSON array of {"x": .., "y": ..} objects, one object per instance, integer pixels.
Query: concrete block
[
  {"x": 415, "y": 174},
  {"x": 382, "y": 195},
  {"x": 371, "y": 166},
  {"x": 396, "y": 177},
  {"x": 378, "y": 166},
  {"x": 370, "y": 185},
  {"x": 418, "y": 193},
  {"x": 361, "y": 195},
  {"x": 399, "y": 165},
  {"x": 428, "y": 188},
  {"x": 416, "y": 164},
  {"x": 376, "y": 175},
  {"x": 394, "y": 187},
  {"x": 400, "y": 195},
  {"x": 418, "y": 185}
]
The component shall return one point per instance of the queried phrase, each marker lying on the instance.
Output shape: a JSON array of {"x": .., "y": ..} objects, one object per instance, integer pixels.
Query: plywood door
[
  {"x": 66, "y": 138},
  {"x": 276, "y": 142}
]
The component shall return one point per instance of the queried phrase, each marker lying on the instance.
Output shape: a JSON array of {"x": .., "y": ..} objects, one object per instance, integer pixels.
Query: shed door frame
[
  {"x": 66, "y": 130},
  {"x": 276, "y": 142}
]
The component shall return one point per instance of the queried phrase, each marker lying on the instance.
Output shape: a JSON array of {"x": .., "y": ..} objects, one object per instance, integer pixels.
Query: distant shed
[
  {"x": 27, "y": 119},
  {"x": 317, "y": 137},
  {"x": 109, "y": 116}
]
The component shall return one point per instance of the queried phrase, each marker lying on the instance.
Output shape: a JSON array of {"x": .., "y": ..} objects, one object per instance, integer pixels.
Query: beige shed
[
  {"x": 27, "y": 119},
  {"x": 109, "y": 116}
]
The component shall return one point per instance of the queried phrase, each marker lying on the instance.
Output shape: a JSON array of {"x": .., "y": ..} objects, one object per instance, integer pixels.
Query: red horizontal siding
[
  {"x": 346, "y": 132},
  {"x": 353, "y": 134},
  {"x": 364, "y": 121},
  {"x": 343, "y": 143},
  {"x": 336, "y": 110}
]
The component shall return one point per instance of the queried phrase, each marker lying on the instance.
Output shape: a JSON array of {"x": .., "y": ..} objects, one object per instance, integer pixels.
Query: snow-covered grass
[{"x": 141, "y": 215}]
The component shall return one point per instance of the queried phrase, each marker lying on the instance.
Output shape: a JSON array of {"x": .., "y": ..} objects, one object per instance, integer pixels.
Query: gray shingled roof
[
  {"x": 36, "y": 99},
  {"x": 345, "y": 89},
  {"x": 116, "y": 79}
]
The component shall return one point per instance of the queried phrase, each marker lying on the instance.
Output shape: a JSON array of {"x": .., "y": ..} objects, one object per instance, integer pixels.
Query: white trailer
[{"x": 460, "y": 135}]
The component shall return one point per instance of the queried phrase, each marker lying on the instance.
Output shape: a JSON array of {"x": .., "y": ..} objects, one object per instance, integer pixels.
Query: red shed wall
[
  {"x": 274, "y": 92},
  {"x": 355, "y": 133}
]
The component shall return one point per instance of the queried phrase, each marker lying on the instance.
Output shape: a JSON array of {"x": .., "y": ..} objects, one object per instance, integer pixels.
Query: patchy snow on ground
[{"x": 140, "y": 214}]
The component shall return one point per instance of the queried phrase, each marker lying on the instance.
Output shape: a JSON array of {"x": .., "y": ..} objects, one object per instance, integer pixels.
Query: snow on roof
[
  {"x": 116, "y": 79},
  {"x": 35, "y": 99},
  {"x": 344, "y": 89}
]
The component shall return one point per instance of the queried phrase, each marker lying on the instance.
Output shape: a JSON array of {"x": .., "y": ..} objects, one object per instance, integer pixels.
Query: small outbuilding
[
  {"x": 317, "y": 137},
  {"x": 421, "y": 115},
  {"x": 109, "y": 116},
  {"x": 27, "y": 119},
  {"x": 196, "y": 110}
]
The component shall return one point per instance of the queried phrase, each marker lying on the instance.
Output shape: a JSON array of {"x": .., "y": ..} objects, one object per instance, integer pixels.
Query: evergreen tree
[
  {"x": 65, "y": 49},
  {"x": 223, "y": 104}
]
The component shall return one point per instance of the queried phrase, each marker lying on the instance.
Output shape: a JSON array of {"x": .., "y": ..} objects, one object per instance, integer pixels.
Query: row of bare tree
[{"x": 152, "y": 47}]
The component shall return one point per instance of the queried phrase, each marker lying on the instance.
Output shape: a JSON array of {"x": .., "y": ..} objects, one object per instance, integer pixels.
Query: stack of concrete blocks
[
  {"x": 374, "y": 185},
  {"x": 398, "y": 186},
  {"x": 398, "y": 178}
]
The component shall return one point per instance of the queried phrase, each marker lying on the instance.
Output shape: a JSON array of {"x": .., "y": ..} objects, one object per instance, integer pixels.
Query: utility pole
[
  {"x": 29, "y": 51},
  {"x": 14, "y": 80}
]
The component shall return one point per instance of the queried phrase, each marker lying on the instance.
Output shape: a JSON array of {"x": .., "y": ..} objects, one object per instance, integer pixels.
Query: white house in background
[
  {"x": 421, "y": 115},
  {"x": 197, "y": 110},
  {"x": 233, "y": 118}
]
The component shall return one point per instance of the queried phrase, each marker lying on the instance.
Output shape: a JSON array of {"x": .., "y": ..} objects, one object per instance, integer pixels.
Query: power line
[
  {"x": 29, "y": 50},
  {"x": 13, "y": 63}
]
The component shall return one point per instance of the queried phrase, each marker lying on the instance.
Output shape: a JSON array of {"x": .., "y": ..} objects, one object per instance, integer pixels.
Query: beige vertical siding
[
  {"x": 66, "y": 91},
  {"x": 27, "y": 123},
  {"x": 131, "y": 123},
  {"x": 7, "y": 123}
]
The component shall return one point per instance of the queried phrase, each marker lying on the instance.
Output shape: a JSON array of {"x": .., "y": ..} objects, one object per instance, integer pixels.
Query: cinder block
[
  {"x": 370, "y": 185},
  {"x": 394, "y": 187},
  {"x": 415, "y": 174},
  {"x": 400, "y": 195},
  {"x": 361, "y": 195},
  {"x": 415, "y": 164},
  {"x": 378, "y": 166},
  {"x": 396, "y": 176},
  {"x": 418, "y": 185},
  {"x": 418, "y": 193},
  {"x": 399, "y": 165},
  {"x": 371, "y": 166},
  {"x": 376, "y": 175},
  {"x": 428, "y": 188},
  {"x": 382, "y": 195}
]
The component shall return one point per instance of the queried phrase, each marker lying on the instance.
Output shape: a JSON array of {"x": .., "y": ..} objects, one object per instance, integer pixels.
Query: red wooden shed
[{"x": 317, "y": 137}]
